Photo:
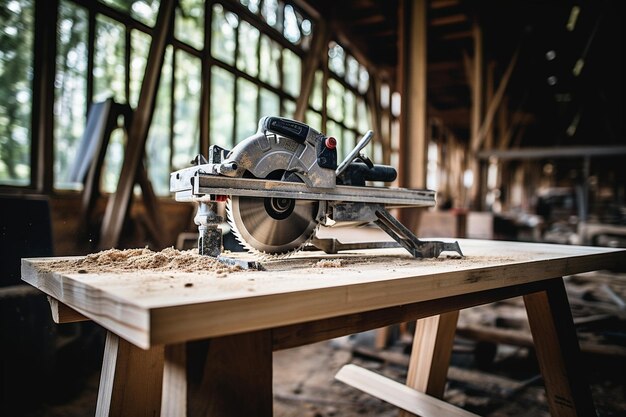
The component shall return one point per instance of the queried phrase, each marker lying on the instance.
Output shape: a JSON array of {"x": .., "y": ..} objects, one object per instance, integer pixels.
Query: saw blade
[{"x": 273, "y": 227}]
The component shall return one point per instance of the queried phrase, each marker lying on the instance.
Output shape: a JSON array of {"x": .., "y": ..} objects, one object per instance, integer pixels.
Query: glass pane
[
  {"x": 70, "y": 85},
  {"x": 222, "y": 100},
  {"x": 270, "y": 61},
  {"x": 307, "y": 34},
  {"x": 314, "y": 119},
  {"x": 362, "y": 116},
  {"x": 316, "y": 95},
  {"x": 158, "y": 148},
  {"x": 246, "y": 109},
  {"x": 139, "y": 47},
  {"x": 247, "y": 60},
  {"x": 144, "y": 10},
  {"x": 364, "y": 80},
  {"x": 188, "y": 75},
  {"x": 352, "y": 75},
  {"x": 349, "y": 103},
  {"x": 109, "y": 71},
  {"x": 291, "y": 72},
  {"x": 189, "y": 25},
  {"x": 252, "y": 5},
  {"x": 349, "y": 141},
  {"x": 270, "y": 104},
  {"x": 292, "y": 28},
  {"x": 223, "y": 32},
  {"x": 336, "y": 57},
  {"x": 113, "y": 161},
  {"x": 16, "y": 69},
  {"x": 334, "y": 101},
  {"x": 289, "y": 108},
  {"x": 270, "y": 13}
]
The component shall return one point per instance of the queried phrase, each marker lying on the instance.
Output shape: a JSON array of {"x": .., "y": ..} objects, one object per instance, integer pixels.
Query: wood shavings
[
  {"x": 133, "y": 260},
  {"x": 328, "y": 263}
]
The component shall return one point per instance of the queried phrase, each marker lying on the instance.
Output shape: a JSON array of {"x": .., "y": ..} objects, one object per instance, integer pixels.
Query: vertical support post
[
  {"x": 237, "y": 377},
  {"x": 131, "y": 380},
  {"x": 476, "y": 110},
  {"x": 42, "y": 153},
  {"x": 413, "y": 124},
  {"x": 430, "y": 357},
  {"x": 558, "y": 351},
  {"x": 174, "y": 397}
]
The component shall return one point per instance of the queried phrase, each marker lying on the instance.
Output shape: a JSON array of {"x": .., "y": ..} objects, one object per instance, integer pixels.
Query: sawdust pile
[
  {"x": 133, "y": 260},
  {"x": 328, "y": 263}
]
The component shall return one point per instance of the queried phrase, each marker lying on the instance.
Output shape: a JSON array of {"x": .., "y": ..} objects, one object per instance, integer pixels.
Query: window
[
  {"x": 247, "y": 55},
  {"x": 16, "y": 71}
]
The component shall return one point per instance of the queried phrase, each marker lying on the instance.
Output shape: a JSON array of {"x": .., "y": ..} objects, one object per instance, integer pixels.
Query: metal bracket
[{"x": 406, "y": 238}]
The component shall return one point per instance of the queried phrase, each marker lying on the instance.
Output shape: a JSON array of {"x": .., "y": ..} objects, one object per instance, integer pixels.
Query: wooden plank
[
  {"x": 118, "y": 204},
  {"x": 558, "y": 352},
  {"x": 64, "y": 314},
  {"x": 237, "y": 377},
  {"x": 395, "y": 393},
  {"x": 131, "y": 380},
  {"x": 430, "y": 357},
  {"x": 157, "y": 307}
]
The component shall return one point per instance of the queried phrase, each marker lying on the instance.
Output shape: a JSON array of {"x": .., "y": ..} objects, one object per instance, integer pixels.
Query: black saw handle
[{"x": 285, "y": 127}]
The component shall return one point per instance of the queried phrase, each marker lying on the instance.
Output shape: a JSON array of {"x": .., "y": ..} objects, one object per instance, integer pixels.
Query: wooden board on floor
[{"x": 147, "y": 307}]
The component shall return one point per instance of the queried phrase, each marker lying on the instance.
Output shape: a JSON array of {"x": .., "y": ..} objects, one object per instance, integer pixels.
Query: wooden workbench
[{"x": 248, "y": 314}]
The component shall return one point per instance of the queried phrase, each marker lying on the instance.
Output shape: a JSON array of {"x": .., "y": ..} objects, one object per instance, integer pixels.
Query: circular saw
[{"x": 285, "y": 181}]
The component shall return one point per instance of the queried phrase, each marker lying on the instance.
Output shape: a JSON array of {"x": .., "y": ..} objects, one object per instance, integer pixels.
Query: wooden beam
[
  {"x": 118, "y": 204},
  {"x": 407, "y": 399},
  {"x": 494, "y": 105},
  {"x": 465, "y": 34},
  {"x": 131, "y": 380},
  {"x": 310, "y": 66},
  {"x": 558, "y": 352},
  {"x": 448, "y": 20},
  {"x": 42, "y": 123},
  {"x": 430, "y": 357},
  {"x": 556, "y": 152},
  {"x": 174, "y": 396},
  {"x": 61, "y": 313},
  {"x": 414, "y": 141},
  {"x": 476, "y": 84},
  {"x": 442, "y": 4}
]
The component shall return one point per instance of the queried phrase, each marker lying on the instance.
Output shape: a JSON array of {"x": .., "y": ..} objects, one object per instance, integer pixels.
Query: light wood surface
[
  {"x": 148, "y": 308},
  {"x": 408, "y": 399}
]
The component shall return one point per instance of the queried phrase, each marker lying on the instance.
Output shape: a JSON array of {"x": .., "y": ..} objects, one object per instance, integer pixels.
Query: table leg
[
  {"x": 558, "y": 351},
  {"x": 237, "y": 379},
  {"x": 430, "y": 357},
  {"x": 131, "y": 379}
]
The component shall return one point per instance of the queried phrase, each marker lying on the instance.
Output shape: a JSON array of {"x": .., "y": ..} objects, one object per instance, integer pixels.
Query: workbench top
[{"x": 161, "y": 307}]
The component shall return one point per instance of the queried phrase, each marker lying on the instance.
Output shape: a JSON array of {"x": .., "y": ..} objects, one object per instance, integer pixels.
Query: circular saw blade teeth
[{"x": 259, "y": 254}]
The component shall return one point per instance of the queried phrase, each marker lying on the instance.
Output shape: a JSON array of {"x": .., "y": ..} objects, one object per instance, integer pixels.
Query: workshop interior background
[{"x": 512, "y": 111}]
